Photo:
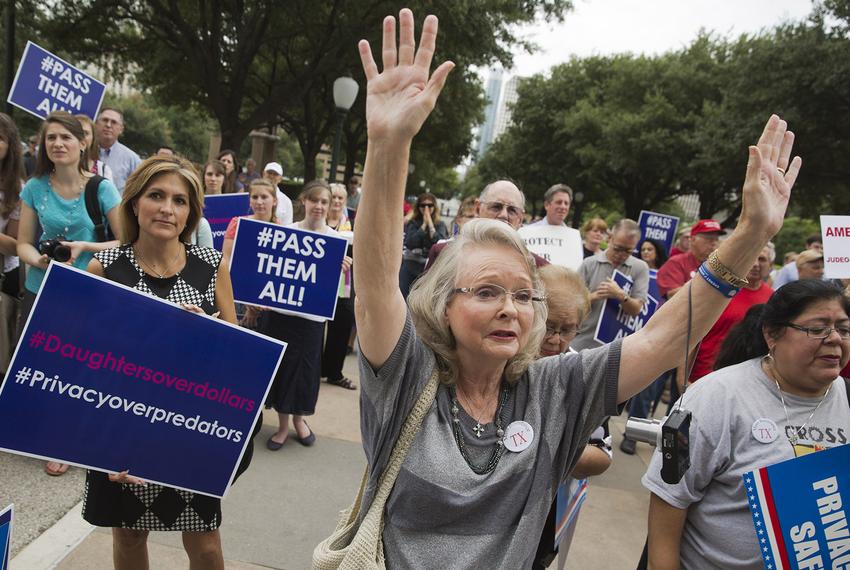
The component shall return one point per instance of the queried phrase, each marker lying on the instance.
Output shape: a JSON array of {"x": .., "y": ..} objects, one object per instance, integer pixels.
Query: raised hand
[
  {"x": 770, "y": 176},
  {"x": 400, "y": 98}
]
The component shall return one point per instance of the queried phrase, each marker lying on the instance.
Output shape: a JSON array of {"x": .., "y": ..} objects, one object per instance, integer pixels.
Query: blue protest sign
[
  {"x": 568, "y": 502},
  {"x": 289, "y": 269},
  {"x": 613, "y": 323},
  {"x": 112, "y": 379},
  {"x": 652, "y": 290},
  {"x": 219, "y": 209},
  {"x": 798, "y": 511},
  {"x": 45, "y": 83},
  {"x": 658, "y": 227},
  {"x": 5, "y": 536}
]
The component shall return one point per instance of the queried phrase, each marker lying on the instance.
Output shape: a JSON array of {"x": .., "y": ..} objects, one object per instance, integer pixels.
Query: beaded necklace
[{"x": 499, "y": 447}]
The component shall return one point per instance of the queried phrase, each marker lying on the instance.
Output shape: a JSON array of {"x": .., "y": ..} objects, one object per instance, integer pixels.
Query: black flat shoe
[
  {"x": 272, "y": 445},
  {"x": 308, "y": 440}
]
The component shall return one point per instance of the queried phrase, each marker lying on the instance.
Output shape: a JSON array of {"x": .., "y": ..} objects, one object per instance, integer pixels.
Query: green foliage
[
  {"x": 792, "y": 236},
  {"x": 149, "y": 125}
]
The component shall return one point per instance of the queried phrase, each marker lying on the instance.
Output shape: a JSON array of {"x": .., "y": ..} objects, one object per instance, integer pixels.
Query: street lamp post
[{"x": 345, "y": 92}]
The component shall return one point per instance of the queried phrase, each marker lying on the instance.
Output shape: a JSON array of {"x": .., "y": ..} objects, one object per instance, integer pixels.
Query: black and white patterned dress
[{"x": 155, "y": 507}]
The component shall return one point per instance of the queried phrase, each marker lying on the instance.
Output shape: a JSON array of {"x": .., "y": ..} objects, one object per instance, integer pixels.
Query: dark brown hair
[
  {"x": 11, "y": 167},
  {"x": 43, "y": 164},
  {"x": 229, "y": 186}
]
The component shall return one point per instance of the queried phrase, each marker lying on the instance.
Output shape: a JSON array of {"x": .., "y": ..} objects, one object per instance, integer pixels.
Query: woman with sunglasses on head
[
  {"x": 296, "y": 385},
  {"x": 423, "y": 229},
  {"x": 779, "y": 396},
  {"x": 499, "y": 428},
  {"x": 162, "y": 204}
]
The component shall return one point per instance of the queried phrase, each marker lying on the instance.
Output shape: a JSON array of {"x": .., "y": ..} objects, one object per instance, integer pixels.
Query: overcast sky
[{"x": 599, "y": 27}]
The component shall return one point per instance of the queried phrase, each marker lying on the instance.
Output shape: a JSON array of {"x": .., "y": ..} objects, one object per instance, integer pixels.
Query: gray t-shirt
[
  {"x": 440, "y": 514},
  {"x": 719, "y": 531},
  {"x": 596, "y": 269}
]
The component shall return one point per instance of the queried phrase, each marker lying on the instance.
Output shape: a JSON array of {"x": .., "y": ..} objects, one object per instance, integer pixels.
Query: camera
[
  {"x": 54, "y": 249},
  {"x": 671, "y": 435}
]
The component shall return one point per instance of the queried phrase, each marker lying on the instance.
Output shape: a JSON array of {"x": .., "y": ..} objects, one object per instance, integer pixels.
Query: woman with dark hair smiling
[
  {"x": 653, "y": 253},
  {"x": 497, "y": 428}
]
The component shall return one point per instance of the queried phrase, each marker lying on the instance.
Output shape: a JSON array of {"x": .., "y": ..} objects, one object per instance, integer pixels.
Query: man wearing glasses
[
  {"x": 500, "y": 200},
  {"x": 597, "y": 272},
  {"x": 551, "y": 237}
]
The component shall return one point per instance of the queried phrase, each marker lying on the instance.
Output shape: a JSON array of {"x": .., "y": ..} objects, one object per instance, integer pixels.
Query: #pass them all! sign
[{"x": 45, "y": 83}]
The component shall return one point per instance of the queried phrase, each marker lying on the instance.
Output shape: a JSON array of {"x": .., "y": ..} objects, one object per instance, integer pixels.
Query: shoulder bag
[{"x": 361, "y": 547}]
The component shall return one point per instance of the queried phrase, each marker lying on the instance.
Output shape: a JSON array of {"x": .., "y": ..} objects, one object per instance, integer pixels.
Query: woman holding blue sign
[
  {"x": 779, "y": 397},
  {"x": 53, "y": 202},
  {"x": 162, "y": 205},
  {"x": 475, "y": 487},
  {"x": 296, "y": 385}
]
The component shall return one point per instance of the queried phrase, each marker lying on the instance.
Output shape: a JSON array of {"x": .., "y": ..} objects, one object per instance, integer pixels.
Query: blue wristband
[{"x": 722, "y": 287}]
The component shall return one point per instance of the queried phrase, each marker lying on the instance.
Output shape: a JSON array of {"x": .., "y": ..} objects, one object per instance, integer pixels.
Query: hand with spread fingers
[
  {"x": 771, "y": 174},
  {"x": 400, "y": 98}
]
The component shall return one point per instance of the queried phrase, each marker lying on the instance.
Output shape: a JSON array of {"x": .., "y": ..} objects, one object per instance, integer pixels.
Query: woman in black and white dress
[{"x": 162, "y": 203}]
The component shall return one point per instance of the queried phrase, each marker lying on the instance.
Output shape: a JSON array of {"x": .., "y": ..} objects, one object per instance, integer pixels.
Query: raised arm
[
  {"x": 398, "y": 100},
  {"x": 661, "y": 343}
]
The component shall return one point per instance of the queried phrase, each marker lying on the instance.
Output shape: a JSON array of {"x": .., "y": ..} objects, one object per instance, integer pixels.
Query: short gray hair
[
  {"x": 550, "y": 193},
  {"x": 483, "y": 196},
  {"x": 431, "y": 294},
  {"x": 628, "y": 226}
]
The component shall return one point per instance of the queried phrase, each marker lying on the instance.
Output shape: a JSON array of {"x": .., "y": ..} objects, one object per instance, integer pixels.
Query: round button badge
[
  {"x": 765, "y": 430},
  {"x": 518, "y": 436}
]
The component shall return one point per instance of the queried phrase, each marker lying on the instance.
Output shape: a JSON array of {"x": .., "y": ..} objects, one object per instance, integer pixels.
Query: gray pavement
[{"x": 290, "y": 499}]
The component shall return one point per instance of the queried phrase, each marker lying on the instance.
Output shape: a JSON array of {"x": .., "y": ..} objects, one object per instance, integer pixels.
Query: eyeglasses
[
  {"x": 496, "y": 208},
  {"x": 426, "y": 205},
  {"x": 619, "y": 248},
  {"x": 822, "y": 332},
  {"x": 564, "y": 332},
  {"x": 495, "y": 294}
]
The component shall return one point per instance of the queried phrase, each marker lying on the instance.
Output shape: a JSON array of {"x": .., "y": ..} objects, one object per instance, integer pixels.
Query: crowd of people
[{"x": 499, "y": 343}]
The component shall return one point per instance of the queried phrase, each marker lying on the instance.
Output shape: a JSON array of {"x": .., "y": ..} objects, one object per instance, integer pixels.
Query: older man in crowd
[
  {"x": 679, "y": 269},
  {"x": 789, "y": 271},
  {"x": 556, "y": 201},
  {"x": 598, "y": 271},
  {"x": 120, "y": 159},
  {"x": 273, "y": 172},
  {"x": 500, "y": 200}
]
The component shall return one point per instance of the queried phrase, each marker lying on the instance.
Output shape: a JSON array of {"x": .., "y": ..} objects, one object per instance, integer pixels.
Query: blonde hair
[
  {"x": 139, "y": 181},
  {"x": 269, "y": 187},
  {"x": 431, "y": 294},
  {"x": 565, "y": 289}
]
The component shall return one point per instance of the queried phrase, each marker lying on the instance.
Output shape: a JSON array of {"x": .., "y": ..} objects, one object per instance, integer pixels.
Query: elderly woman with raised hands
[{"x": 505, "y": 429}]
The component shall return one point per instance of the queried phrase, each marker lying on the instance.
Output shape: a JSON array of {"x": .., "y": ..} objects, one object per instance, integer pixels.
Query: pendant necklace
[
  {"x": 499, "y": 446},
  {"x": 153, "y": 269},
  {"x": 795, "y": 437}
]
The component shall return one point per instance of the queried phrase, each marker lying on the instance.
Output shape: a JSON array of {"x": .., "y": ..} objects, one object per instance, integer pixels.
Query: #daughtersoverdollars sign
[
  {"x": 108, "y": 378},
  {"x": 288, "y": 269},
  {"x": 45, "y": 83}
]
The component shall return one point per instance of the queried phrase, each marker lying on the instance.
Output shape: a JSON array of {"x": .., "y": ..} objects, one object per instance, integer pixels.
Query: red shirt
[
  {"x": 732, "y": 315},
  {"x": 678, "y": 270},
  {"x": 676, "y": 251}
]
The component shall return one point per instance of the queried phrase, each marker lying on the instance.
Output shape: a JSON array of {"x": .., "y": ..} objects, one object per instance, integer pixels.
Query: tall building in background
[
  {"x": 501, "y": 95},
  {"x": 505, "y": 113},
  {"x": 493, "y": 92}
]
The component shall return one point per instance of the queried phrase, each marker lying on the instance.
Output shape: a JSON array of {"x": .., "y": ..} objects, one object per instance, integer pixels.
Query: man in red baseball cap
[{"x": 679, "y": 269}]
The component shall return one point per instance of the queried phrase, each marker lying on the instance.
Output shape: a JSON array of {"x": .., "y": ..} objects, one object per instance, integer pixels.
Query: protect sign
[
  {"x": 219, "y": 209},
  {"x": 288, "y": 269},
  {"x": 658, "y": 227},
  {"x": 45, "y": 83},
  {"x": 799, "y": 510},
  {"x": 108, "y": 378},
  {"x": 835, "y": 231},
  {"x": 613, "y": 323}
]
